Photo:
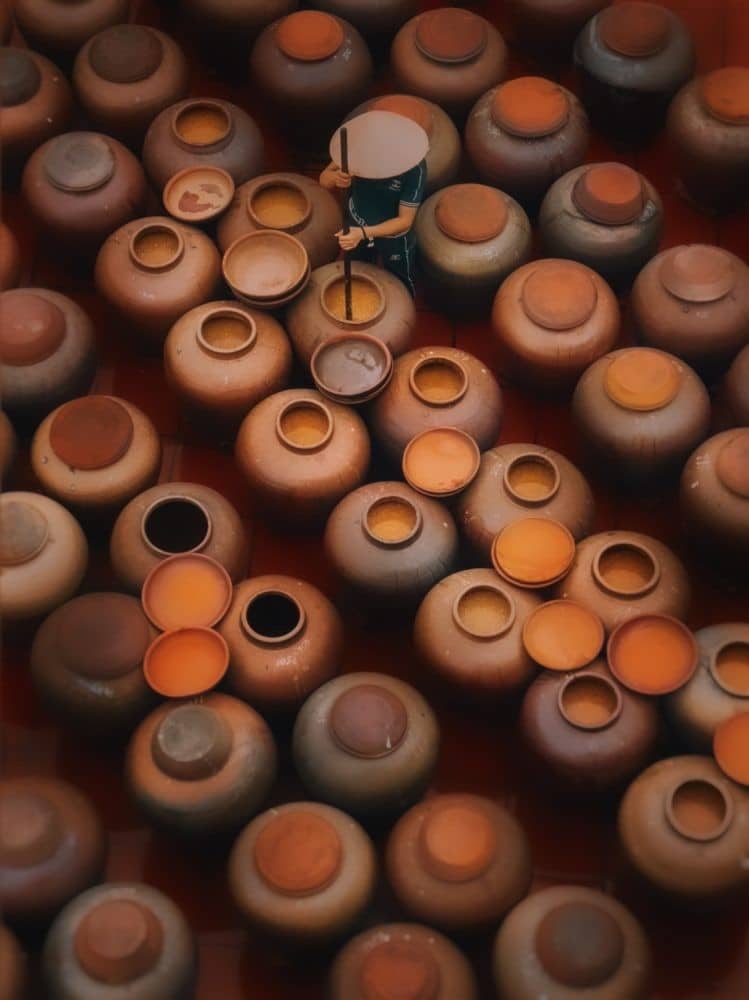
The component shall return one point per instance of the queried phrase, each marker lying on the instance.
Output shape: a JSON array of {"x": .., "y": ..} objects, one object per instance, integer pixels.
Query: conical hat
[{"x": 381, "y": 144}]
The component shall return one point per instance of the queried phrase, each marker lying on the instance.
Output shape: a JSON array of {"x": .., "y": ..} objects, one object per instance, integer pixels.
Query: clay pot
[
  {"x": 547, "y": 28},
  {"x": 12, "y": 966},
  {"x": 285, "y": 639},
  {"x": 222, "y": 358},
  {"x": 122, "y": 939},
  {"x": 172, "y": 518},
  {"x": 43, "y": 556},
  {"x": 623, "y": 574},
  {"x": 736, "y": 389},
  {"x": 48, "y": 352},
  {"x": 377, "y": 20},
  {"x": 10, "y": 258},
  {"x": 640, "y": 412},
  {"x": 367, "y": 743},
  {"x": 458, "y": 862},
  {"x": 304, "y": 872},
  {"x": 386, "y": 957},
  {"x": 52, "y": 846},
  {"x": 59, "y": 28},
  {"x": 266, "y": 269},
  {"x": 389, "y": 545},
  {"x": 569, "y": 939},
  {"x": 153, "y": 270},
  {"x": 449, "y": 56},
  {"x": 605, "y": 215},
  {"x": 684, "y": 828},
  {"x": 8, "y": 447},
  {"x": 301, "y": 453},
  {"x": 553, "y": 318}
]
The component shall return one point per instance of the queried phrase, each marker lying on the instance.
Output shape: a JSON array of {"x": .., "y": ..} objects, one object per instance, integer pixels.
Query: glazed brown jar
[
  {"x": 458, "y": 862},
  {"x": 301, "y": 453},
  {"x": 605, "y": 215},
  {"x": 48, "y": 352},
  {"x": 60, "y": 28},
  {"x": 122, "y": 939},
  {"x": 12, "y": 966},
  {"x": 8, "y": 448},
  {"x": 304, "y": 872},
  {"x": 685, "y": 827},
  {"x": 52, "y": 846},
  {"x": 449, "y": 56},
  {"x": 623, "y": 574},
  {"x": 567, "y": 940},
  {"x": 367, "y": 743},
  {"x": 640, "y": 412},
  {"x": 553, "y": 318},
  {"x": 10, "y": 259},
  {"x": 547, "y": 28},
  {"x": 377, "y": 20},
  {"x": 736, "y": 389},
  {"x": 153, "y": 270},
  {"x": 285, "y": 639}
]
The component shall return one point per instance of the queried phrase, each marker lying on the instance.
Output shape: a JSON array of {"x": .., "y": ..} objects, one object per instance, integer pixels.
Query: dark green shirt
[{"x": 371, "y": 202}]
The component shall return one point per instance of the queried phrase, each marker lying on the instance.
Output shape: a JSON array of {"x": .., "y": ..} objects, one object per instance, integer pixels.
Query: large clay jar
[
  {"x": 43, "y": 556},
  {"x": 8, "y": 448},
  {"x": 10, "y": 259},
  {"x": 52, "y": 846},
  {"x": 301, "y": 453},
  {"x": 173, "y": 518},
  {"x": 640, "y": 412},
  {"x": 547, "y": 28},
  {"x": 60, "y": 28},
  {"x": 12, "y": 966},
  {"x": 449, "y": 56},
  {"x": 736, "y": 389},
  {"x": 569, "y": 940},
  {"x": 304, "y": 872},
  {"x": 389, "y": 544},
  {"x": 153, "y": 270},
  {"x": 377, "y": 20},
  {"x": 685, "y": 828},
  {"x": 122, "y": 940},
  {"x": 458, "y": 862},
  {"x": 623, "y": 574},
  {"x": 605, "y": 215},
  {"x": 47, "y": 351},
  {"x": 285, "y": 639},
  {"x": 553, "y": 318}
]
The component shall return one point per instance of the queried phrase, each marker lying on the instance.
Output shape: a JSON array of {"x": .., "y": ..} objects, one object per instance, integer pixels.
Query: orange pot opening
[
  {"x": 439, "y": 381},
  {"x": 699, "y": 809},
  {"x": 532, "y": 478},
  {"x": 392, "y": 520},
  {"x": 588, "y": 701},
  {"x": 731, "y": 668},
  {"x": 484, "y": 612}
]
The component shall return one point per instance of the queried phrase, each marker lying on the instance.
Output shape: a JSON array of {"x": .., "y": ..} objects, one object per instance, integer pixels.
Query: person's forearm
[{"x": 390, "y": 227}]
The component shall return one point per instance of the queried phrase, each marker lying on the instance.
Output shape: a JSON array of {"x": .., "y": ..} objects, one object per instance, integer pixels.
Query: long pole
[{"x": 346, "y": 258}]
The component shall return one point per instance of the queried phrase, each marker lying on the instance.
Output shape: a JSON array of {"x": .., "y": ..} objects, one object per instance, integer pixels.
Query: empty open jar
[
  {"x": 736, "y": 389},
  {"x": 10, "y": 259},
  {"x": 61, "y": 28},
  {"x": 652, "y": 654},
  {"x": 266, "y": 268}
]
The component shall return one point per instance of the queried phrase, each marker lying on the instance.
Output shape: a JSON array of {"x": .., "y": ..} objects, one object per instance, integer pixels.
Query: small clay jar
[
  {"x": 152, "y": 270},
  {"x": 569, "y": 940},
  {"x": 388, "y": 958},
  {"x": 301, "y": 453},
  {"x": 389, "y": 544},
  {"x": 10, "y": 258},
  {"x": 59, "y": 28},
  {"x": 605, "y": 215},
  {"x": 632, "y": 58},
  {"x": 52, "y": 846},
  {"x": 736, "y": 389},
  {"x": 47, "y": 349},
  {"x": 449, "y": 56},
  {"x": 684, "y": 828},
  {"x": 43, "y": 556},
  {"x": 8, "y": 447},
  {"x": 640, "y": 412},
  {"x": 285, "y": 639},
  {"x": 623, "y": 574},
  {"x": 173, "y": 518},
  {"x": 12, "y": 966},
  {"x": 547, "y": 28},
  {"x": 304, "y": 872},
  {"x": 551, "y": 319},
  {"x": 120, "y": 940},
  {"x": 458, "y": 862},
  {"x": 436, "y": 387},
  {"x": 367, "y": 743},
  {"x": 377, "y": 20}
]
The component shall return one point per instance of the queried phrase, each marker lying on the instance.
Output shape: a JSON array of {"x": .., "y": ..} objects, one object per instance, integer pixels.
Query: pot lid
[
  {"x": 188, "y": 590},
  {"x": 458, "y": 841},
  {"x": 579, "y": 944},
  {"x": 731, "y": 747},
  {"x": 265, "y": 265},
  {"x": 309, "y": 35},
  {"x": 79, "y": 161},
  {"x": 118, "y": 941},
  {"x": 103, "y": 635},
  {"x": 298, "y": 852},
  {"x": 652, "y": 654},
  {"x": 192, "y": 742},
  {"x": 725, "y": 94},
  {"x": 399, "y": 968},
  {"x": 559, "y": 295},
  {"x": 407, "y": 105},
  {"x": 32, "y": 828},
  {"x": 186, "y": 662},
  {"x": 23, "y": 531},
  {"x": 698, "y": 273},
  {"x": 90, "y": 433},
  {"x": 20, "y": 77},
  {"x": 381, "y": 144},
  {"x": 451, "y": 35},
  {"x": 125, "y": 53},
  {"x": 441, "y": 461},
  {"x": 732, "y": 464},
  {"x": 610, "y": 193},
  {"x": 530, "y": 107},
  {"x": 471, "y": 213},
  {"x": 351, "y": 367},
  {"x": 636, "y": 30},
  {"x": 563, "y": 635},
  {"x": 31, "y": 328},
  {"x": 533, "y": 551},
  {"x": 368, "y": 720},
  {"x": 640, "y": 378},
  {"x": 197, "y": 194}
]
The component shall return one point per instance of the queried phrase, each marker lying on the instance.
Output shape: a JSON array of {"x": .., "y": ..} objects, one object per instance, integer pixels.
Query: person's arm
[
  {"x": 333, "y": 177},
  {"x": 398, "y": 226}
]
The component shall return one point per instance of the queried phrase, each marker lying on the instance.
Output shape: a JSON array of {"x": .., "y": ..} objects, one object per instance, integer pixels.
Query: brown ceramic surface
[
  {"x": 187, "y": 590},
  {"x": 652, "y": 654},
  {"x": 62, "y": 28},
  {"x": 351, "y": 367},
  {"x": 186, "y": 662},
  {"x": 265, "y": 265},
  {"x": 533, "y": 551},
  {"x": 441, "y": 462},
  {"x": 198, "y": 194},
  {"x": 563, "y": 635}
]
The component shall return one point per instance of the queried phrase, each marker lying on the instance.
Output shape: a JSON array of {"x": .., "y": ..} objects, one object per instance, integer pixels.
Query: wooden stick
[{"x": 346, "y": 258}]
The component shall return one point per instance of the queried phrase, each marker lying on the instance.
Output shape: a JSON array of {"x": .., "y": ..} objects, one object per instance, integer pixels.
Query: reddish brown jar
[
  {"x": 547, "y": 28},
  {"x": 572, "y": 940},
  {"x": 12, "y": 966},
  {"x": 52, "y": 846},
  {"x": 60, "y": 27},
  {"x": 10, "y": 259},
  {"x": 8, "y": 448},
  {"x": 736, "y": 389},
  {"x": 640, "y": 412}
]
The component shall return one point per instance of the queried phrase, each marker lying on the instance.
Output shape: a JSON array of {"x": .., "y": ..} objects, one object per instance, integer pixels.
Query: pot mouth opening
[
  {"x": 202, "y": 123},
  {"x": 589, "y": 701},
  {"x": 157, "y": 246},
  {"x": 729, "y": 667},
  {"x": 532, "y": 478},
  {"x": 273, "y": 616},
  {"x": 305, "y": 425},
  {"x": 367, "y": 299},
  {"x": 192, "y": 742},
  {"x": 392, "y": 521},
  {"x": 484, "y": 611},
  {"x": 699, "y": 809},
  {"x": 227, "y": 332},
  {"x": 626, "y": 569},
  {"x": 30, "y": 828},
  {"x": 118, "y": 941},
  {"x": 174, "y": 525},
  {"x": 438, "y": 381},
  {"x": 279, "y": 204}
]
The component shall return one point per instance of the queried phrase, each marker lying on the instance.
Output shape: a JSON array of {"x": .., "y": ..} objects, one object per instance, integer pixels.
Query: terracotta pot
[
  {"x": 301, "y": 453},
  {"x": 8, "y": 447},
  {"x": 623, "y": 574},
  {"x": 736, "y": 389},
  {"x": 377, "y": 20},
  {"x": 304, "y": 872},
  {"x": 12, "y": 966},
  {"x": 43, "y": 556},
  {"x": 548, "y": 29},
  {"x": 233, "y": 25},
  {"x": 153, "y": 270},
  {"x": 640, "y": 412},
  {"x": 458, "y": 862},
  {"x": 285, "y": 639},
  {"x": 10, "y": 258},
  {"x": 172, "y": 518},
  {"x": 60, "y": 28},
  {"x": 572, "y": 939},
  {"x": 684, "y": 829},
  {"x": 52, "y": 846},
  {"x": 125, "y": 939},
  {"x": 605, "y": 215}
]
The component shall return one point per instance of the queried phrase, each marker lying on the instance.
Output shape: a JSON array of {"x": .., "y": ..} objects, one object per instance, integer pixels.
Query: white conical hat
[{"x": 381, "y": 144}]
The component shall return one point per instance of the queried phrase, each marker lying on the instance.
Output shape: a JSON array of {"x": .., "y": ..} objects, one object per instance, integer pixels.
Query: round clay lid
[
  {"x": 530, "y": 107},
  {"x": 199, "y": 193},
  {"x": 731, "y": 747},
  {"x": 20, "y": 77},
  {"x": 441, "y": 461},
  {"x": 368, "y": 720},
  {"x": 309, "y": 35},
  {"x": 118, "y": 941},
  {"x": 636, "y": 30},
  {"x": 92, "y": 432},
  {"x": 352, "y": 367},
  {"x": 609, "y": 193},
  {"x": 103, "y": 635},
  {"x": 563, "y": 635},
  {"x": 125, "y": 53},
  {"x": 652, "y": 654},
  {"x": 451, "y": 35},
  {"x": 79, "y": 161},
  {"x": 641, "y": 379},
  {"x": 533, "y": 551},
  {"x": 298, "y": 852},
  {"x": 381, "y": 144},
  {"x": 559, "y": 295},
  {"x": 408, "y": 106},
  {"x": 187, "y": 590},
  {"x": 698, "y": 273},
  {"x": 30, "y": 828},
  {"x": 23, "y": 532},
  {"x": 579, "y": 944},
  {"x": 31, "y": 328},
  {"x": 458, "y": 841},
  {"x": 732, "y": 464},
  {"x": 725, "y": 94},
  {"x": 399, "y": 970},
  {"x": 471, "y": 213},
  {"x": 192, "y": 742},
  {"x": 186, "y": 662}
]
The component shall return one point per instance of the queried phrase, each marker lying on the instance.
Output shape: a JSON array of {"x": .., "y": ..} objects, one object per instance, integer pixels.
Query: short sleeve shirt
[{"x": 374, "y": 201}]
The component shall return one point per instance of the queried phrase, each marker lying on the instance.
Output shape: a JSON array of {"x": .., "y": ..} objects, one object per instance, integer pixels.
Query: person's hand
[
  {"x": 349, "y": 240},
  {"x": 339, "y": 177}
]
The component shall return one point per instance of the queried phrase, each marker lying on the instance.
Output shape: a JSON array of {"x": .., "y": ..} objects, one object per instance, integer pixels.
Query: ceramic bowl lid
[
  {"x": 725, "y": 94},
  {"x": 580, "y": 945},
  {"x": 265, "y": 265},
  {"x": 91, "y": 433},
  {"x": 351, "y": 367},
  {"x": 640, "y": 378},
  {"x": 559, "y": 295},
  {"x": 118, "y": 941},
  {"x": 398, "y": 964},
  {"x": 636, "y": 30},
  {"x": 298, "y": 852},
  {"x": 732, "y": 463},
  {"x": 78, "y": 162},
  {"x": 32, "y": 327},
  {"x": 451, "y": 35},
  {"x": 698, "y": 273},
  {"x": 368, "y": 720},
  {"x": 126, "y": 53},
  {"x": 731, "y": 747},
  {"x": 458, "y": 840},
  {"x": 609, "y": 193},
  {"x": 309, "y": 35},
  {"x": 563, "y": 635},
  {"x": 20, "y": 77},
  {"x": 187, "y": 590},
  {"x": 381, "y": 144},
  {"x": 198, "y": 193},
  {"x": 652, "y": 654},
  {"x": 533, "y": 551},
  {"x": 471, "y": 213},
  {"x": 186, "y": 662},
  {"x": 530, "y": 107},
  {"x": 441, "y": 461}
]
